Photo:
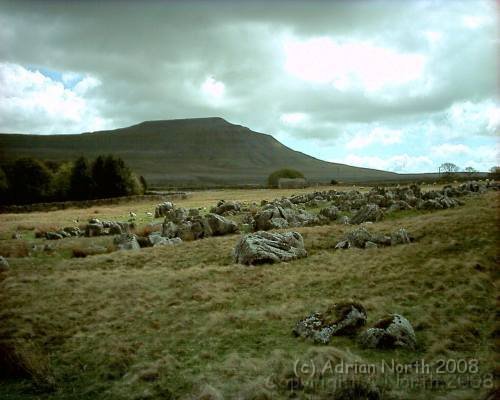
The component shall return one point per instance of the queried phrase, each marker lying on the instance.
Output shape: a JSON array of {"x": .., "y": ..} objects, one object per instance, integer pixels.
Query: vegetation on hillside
[
  {"x": 29, "y": 180},
  {"x": 273, "y": 179}
]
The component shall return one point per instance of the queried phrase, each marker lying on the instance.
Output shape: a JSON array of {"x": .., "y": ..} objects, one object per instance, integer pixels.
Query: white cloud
[
  {"x": 213, "y": 89},
  {"x": 31, "y": 97},
  {"x": 350, "y": 64},
  {"x": 396, "y": 163},
  {"x": 450, "y": 149},
  {"x": 378, "y": 135},
  {"x": 471, "y": 118},
  {"x": 474, "y": 21},
  {"x": 293, "y": 118}
]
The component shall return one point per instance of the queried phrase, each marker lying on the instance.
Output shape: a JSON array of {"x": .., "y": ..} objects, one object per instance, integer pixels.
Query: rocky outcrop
[
  {"x": 157, "y": 240},
  {"x": 368, "y": 212},
  {"x": 341, "y": 319},
  {"x": 363, "y": 239},
  {"x": 162, "y": 209},
  {"x": 226, "y": 208},
  {"x": 390, "y": 332},
  {"x": 265, "y": 247},
  {"x": 220, "y": 225},
  {"x": 96, "y": 227},
  {"x": 283, "y": 214},
  {"x": 126, "y": 241},
  {"x": 331, "y": 213}
]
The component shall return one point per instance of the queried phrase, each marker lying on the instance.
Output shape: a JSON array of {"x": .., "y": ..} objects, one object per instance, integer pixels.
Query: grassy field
[{"x": 184, "y": 322}]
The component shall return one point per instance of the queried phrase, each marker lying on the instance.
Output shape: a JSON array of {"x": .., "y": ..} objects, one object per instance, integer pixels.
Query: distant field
[{"x": 184, "y": 322}]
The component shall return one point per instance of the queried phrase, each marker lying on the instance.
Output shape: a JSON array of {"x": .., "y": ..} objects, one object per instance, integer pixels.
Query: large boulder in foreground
[
  {"x": 265, "y": 247},
  {"x": 341, "y": 319},
  {"x": 390, "y": 332},
  {"x": 369, "y": 212}
]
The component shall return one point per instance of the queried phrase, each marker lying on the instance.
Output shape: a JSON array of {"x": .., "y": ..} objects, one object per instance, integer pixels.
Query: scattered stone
[
  {"x": 390, "y": 332},
  {"x": 369, "y": 212},
  {"x": 363, "y": 239},
  {"x": 53, "y": 236},
  {"x": 4, "y": 264},
  {"x": 265, "y": 247},
  {"x": 331, "y": 213},
  {"x": 159, "y": 241},
  {"x": 94, "y": 228},
  {"x": 176, "y": 215},
  {"x": 341, "y": 319},
  {"x": 224, "y": 207},
  {"x": 73, "y": 230},
  {"x": 16, "y": 235},
  {"x": 400, "y": 236},
  {"x": 126, "y": 241},
  {"x": 220, "y": 225},
  {"x": 162, "y": 209}
]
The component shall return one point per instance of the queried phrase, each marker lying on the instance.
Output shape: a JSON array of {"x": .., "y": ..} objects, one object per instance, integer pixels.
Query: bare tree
[
  {"x": 448, "y": 168},
  {"x": 470, "y": 171}
]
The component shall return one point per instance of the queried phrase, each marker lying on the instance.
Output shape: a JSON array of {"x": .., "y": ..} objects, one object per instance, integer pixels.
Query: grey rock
[
  {"x": 390, "y": 332},
  {"x": 331, "y": 213},
  {"x": 369, "y": 212},
  {"x": 344, "y": 318},
  {"x": 358, "y": 237},
  {"x": 400, "y": 236},
  {"x": 167, "y": 242},
  {"x": 265, "y": 247},
  {"x": 224, "y": 207},
  {"x": 162, "y": 209},
  {"x": 220, "y": 225},
  {"x": 73, "y": 230},
  {"x": 126, "y": 241},
  {"x": 176, "y": 215},
  {"x": 94, "y": 229},
  {"x": 53, "y": 236},
  {"x": 4, "y": 264},
  {"x": 278, "y": 223},
  {"x": 169, "y": 229}
]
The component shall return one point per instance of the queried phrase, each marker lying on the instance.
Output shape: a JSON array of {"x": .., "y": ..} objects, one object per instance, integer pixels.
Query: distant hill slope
[{"x": 187, "y": 151}]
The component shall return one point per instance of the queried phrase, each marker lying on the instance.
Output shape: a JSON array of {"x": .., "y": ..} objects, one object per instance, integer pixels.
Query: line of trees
[{"x": 29, "y": 180}]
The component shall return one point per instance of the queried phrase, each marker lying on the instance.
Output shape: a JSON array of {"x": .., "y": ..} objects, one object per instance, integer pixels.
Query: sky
[{"x": 396, "y": 85}]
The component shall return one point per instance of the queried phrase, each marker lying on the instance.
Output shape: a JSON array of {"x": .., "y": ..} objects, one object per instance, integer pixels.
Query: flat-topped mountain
[{"x": 198, "y": 151}]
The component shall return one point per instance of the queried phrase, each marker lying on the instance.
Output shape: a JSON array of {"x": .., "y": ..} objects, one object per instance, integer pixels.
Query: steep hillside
[{"x": 187, "y": 151}]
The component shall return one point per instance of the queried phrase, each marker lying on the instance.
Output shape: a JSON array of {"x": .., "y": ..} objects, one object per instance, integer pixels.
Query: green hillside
[{"x": 187, "y": 151}]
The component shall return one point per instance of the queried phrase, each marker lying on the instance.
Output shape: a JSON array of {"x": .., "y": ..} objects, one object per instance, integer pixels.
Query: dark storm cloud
[{"x": 152, "y": 59}]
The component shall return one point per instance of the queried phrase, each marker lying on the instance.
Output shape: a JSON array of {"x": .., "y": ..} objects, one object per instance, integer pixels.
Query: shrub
[
  {"x": 289, "y": 173},
  {"x": 333, "y": 182}
]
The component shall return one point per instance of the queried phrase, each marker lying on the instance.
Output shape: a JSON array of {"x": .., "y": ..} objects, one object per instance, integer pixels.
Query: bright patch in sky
[
  {"x": 380, "y": 136},
  {"x": 293, "y": 118},
  {"x": 213, "y": 89},
  {"x": 397, "y": 163},
  {"x": 349, "y": 64}
]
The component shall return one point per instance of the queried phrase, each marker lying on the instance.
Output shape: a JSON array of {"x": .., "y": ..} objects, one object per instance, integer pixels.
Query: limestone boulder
[
  {"x": 368, "y": 212},
  {"x": 265, "y": 247},
  {"x": 390, "y": 332}
]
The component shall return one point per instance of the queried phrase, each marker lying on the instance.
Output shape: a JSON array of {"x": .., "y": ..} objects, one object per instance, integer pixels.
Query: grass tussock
[
  {"x": 185, "y": 322},
  {"x": 25, "y": 360}
]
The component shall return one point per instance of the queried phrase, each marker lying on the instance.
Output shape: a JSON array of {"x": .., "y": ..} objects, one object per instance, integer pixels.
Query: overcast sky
[{"x": 396, "y": 85}]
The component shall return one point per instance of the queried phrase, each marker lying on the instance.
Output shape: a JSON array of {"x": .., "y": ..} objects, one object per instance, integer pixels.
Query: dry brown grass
[{"x": 185, "y": 322}]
